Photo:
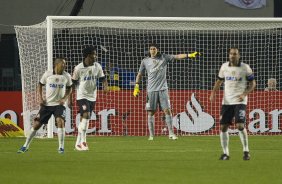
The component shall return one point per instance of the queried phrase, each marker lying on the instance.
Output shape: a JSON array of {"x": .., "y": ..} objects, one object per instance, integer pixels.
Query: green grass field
[{"x": 134, "y": 160}]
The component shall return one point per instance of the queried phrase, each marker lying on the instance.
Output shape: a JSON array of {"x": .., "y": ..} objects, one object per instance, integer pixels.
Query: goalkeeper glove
[
  {"x": 136, "y": 90},
  {"x": 193, "y": 55}
]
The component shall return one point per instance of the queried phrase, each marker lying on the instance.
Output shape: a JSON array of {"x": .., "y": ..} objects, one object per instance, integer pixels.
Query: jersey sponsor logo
[
  {"x": 156, "y": 69},
  {"x": 232, "y": 78},
  {"x": 56, "y": 85},
  {"x": 248, "y": 2},
  {"x": 88, "y": 78}
]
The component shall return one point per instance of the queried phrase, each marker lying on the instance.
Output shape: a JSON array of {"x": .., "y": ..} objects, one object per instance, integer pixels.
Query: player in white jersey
[
  {"x": 238, "y": 81},
  {"x": 58, "y": 88},
  {"x": 157, "y": 89},
  {"x": 85, "y": 77}
]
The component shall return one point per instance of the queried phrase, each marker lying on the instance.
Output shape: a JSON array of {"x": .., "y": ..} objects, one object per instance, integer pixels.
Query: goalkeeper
[{"x": 157, "y": 89}]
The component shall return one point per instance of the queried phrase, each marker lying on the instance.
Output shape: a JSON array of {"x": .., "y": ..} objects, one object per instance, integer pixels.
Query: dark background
[{"x": 31, "y": 12}]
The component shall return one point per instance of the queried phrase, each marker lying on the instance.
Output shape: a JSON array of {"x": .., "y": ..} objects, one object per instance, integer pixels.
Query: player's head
[
  {"x": 154, "y": 50},
  {"x": 90, "y": 53},
  {"x": 59, "y": 65},
  {"x": 234, "y": 55},
  {"x": 271, "y": 84}
]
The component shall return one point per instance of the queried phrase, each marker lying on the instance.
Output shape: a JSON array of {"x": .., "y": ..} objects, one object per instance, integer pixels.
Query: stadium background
[
  {"x": 33, "y": 11},
  {"x": 128, "y": 159},
  {"x": 17, "y": 12}
]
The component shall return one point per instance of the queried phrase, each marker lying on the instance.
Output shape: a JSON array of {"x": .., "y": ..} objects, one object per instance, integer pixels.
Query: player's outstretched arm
[{"x": 184, "y": 56}]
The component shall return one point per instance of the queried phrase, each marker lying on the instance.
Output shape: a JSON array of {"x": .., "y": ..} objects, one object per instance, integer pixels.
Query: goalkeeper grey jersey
[{"x": 156, "y": 69}]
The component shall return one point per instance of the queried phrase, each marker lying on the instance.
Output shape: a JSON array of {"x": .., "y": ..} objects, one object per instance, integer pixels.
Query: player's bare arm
[
  {"x": 40, "y": 90},
  {"x": 105, "y": 85},
  {"x": 250, "y": 88},
  {"x": 215, "y": 88},
  {"x": 67, "y": 95},
  {"x": 74, "y": 83}
]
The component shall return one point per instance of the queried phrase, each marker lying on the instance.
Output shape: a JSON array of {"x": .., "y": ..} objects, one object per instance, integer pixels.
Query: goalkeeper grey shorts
[{"x": 157, "y": 98}]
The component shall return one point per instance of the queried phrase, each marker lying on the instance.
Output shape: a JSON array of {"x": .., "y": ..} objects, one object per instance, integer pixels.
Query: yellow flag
[{"x": 9, "y": 129}]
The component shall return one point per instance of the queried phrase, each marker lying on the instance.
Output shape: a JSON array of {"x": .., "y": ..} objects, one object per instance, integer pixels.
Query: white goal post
[{"x": 122, "y": 43}]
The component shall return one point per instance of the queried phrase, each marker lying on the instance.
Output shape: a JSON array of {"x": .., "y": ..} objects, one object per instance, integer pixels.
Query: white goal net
[{"x": 122, "y": 43}]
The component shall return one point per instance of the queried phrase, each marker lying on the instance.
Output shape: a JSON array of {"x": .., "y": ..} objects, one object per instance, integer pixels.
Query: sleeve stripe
[
  {"x": 219, "y": 78},
  {"x": 251, "y": 77}
]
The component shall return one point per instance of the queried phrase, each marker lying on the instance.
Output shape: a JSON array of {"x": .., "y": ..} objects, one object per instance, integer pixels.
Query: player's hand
[
  {"x": 62, "y": 101},
  {"x": 70, "y": 103},
  {"x": 212, "y": 97},
  {"x": 106, "y": 89},
  {"x": 136, "y": 90},
  {"x": 42, "y": 102},
  {"x": 194, "y": 55},
  {"x": 242, "y": 97}
]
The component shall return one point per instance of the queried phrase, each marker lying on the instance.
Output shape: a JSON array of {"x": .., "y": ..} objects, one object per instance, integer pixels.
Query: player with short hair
[
  {"x": 58, "y": 88},
  {"x": 271, "y": 85},
  {"x": 157, "y": 89},
  {"x": 238, "y": 81},
  {"x": 85, "y": 77}
]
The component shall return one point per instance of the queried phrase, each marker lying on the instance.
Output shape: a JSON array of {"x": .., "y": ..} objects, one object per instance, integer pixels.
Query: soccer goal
[{"x": 122, "y": 43}]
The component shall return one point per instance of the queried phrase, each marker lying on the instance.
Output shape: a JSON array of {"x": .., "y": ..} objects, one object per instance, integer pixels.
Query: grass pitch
[{"x": 135, "y": 160}]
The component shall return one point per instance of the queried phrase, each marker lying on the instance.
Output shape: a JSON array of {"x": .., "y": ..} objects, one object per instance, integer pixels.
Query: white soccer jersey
[
  {"x": 235, "y": 82},
  {"x": 55, "y": 86},
  {"x": 87, "y": 80}
]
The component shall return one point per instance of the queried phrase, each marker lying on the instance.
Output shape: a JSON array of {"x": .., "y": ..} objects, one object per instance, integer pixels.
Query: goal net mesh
[{"x": 122, "y": 44}]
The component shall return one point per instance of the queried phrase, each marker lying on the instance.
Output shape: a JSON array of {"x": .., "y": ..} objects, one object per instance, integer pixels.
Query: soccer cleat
[
  {"x": 224, "y": 157},
  {"x": 22, "y": 150},
  {"x": 246, "y": 156},
  {"x": 84, "y": 146},
  {"x": 151, "y": 138},
  {"x": 61, "y": 150},
  {"x": 172, "y": 137},
  {"x": 78, "y": 148}
]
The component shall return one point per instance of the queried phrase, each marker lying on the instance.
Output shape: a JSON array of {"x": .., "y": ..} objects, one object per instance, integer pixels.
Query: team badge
[
  {"x": 248, "y": 2},
  {"x": 233, "y": 73},
  {"x": 57, "y": 80}
]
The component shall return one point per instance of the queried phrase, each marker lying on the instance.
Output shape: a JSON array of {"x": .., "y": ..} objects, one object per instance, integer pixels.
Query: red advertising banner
[
  {"x": 119, "y": 113},
  {"x": 11, "y": 106}
]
